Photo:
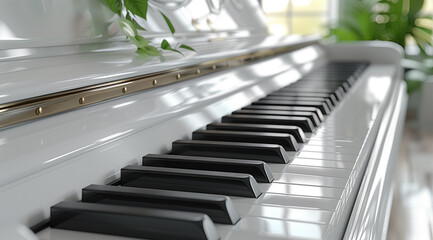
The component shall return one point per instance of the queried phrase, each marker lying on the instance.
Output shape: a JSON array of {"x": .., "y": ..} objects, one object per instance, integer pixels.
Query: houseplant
[
  {"x": 399, "y": 21},
  {"x": 128, "y": 11}
]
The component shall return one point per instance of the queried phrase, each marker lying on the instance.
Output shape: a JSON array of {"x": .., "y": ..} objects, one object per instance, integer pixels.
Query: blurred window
[{"x": 299, "y": 16}]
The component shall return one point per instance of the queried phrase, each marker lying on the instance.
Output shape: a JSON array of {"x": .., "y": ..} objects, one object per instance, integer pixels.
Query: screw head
[{"x": 39, "y": 111}]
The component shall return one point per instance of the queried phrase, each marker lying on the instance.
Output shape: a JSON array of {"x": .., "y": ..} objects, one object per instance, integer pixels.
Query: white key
[
  {"x": 293, "y": 178},
  {"x": 291, "y": 201},
  {"x": 329, "y": 156},
  {"x": 304, "y": 190},
  {"x": 284, "y": 213},
  {"x": 317, "y": 163},
  {"x": 316, "y": 171},
  {"x": 265, "y": 228}
]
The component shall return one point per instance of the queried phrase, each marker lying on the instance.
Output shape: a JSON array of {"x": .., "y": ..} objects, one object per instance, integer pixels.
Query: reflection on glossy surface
[
  {"x": 316, "y": 171},
  {"x": 124, "y": 104},
  {"x": 273, "y": 227},
  {"x": 53, "y": 234},
  {"x": 284, "y": 213},
  {"x": 309, "y": 148},
  {"x": 299, "y": 201},
  {"x": 322, "y": 163},
  {"x": 84, "y": 18},
  {"x": 305, "y": 190},
  {"x": 372, "y": 207},
  {"x": 288, "y": 77},
  {"x": 306, "y": 55},
  {"x": 310, "y": 180},
  {"x": 328, "y": 156},
  {"x": 68, "y": 72},
  {"x": 271, "y": 67}
]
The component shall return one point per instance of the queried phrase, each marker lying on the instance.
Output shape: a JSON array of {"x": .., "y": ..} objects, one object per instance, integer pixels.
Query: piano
[{"x": 251, "y": 137}]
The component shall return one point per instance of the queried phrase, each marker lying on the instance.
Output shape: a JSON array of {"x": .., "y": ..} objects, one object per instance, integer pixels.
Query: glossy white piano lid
[
  {"x": 43, "y": 58},
  {"x": 34, "y": 77}
]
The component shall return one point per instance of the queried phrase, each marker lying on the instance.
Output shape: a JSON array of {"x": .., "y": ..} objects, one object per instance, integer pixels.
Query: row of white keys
[{"x": 305, "y": 193}]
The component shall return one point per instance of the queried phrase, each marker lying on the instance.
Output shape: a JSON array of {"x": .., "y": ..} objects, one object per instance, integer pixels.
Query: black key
[
  {"x": 313, "y": 99},
  {"x": 255, "y": 151},
  {"x": 311, "y": 115},
  {"x": 337, "y": 94},
  {"x": 328, "y": 77},
  {"x": 351, "y": 81},
  {"x": 258, "y": 169},
  {"x": 320, "y": 105},
  {"x": 287, "y": 141},
  {"x": 301, "y": 94},
  {"x": 132, "y": 221},
  {"x": 286, "y": 108},
  {"x": 345, "y": 86},
  {"x": 235, "y": 184},
  {"x": 296, "y": 132},
  {"x": 304, "y": 123},
  {"x": 330, "y": 86},
  {"x": 319, "y": 85},
  {"x": 218, "y": 207}
]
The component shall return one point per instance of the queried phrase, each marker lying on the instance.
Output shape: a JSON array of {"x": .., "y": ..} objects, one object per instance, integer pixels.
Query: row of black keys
[{"x": 181, "y": 194}]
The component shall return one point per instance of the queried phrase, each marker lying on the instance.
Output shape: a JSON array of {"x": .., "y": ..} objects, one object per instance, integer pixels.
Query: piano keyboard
[{"x": 276, "y": 169}]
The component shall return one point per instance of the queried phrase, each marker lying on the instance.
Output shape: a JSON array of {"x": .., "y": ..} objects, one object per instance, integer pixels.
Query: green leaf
[
  {"x": 187, "y": 47},
  {"x": 344, "y": 34},
  {"x": 170, "y": 25},
  {"x": 115, "y": 6},
  {"x": 127, "y": 27},
  {"x": 413, "y": 86},
  {"x": 135, "y": 23},
  {"x": 137, "y": 7},
  {"x": 174, "y": 50},
  {"x": 421, "y": 43},
  {"x": 415, "y": 6},
  {"x": 140, "y": 41},
  {"x": 142, "y": 52},
  {"x": 417, "y": 32},
  {"x": 166, "y": 46},
  {"x": 426, "y": 17},
  {"x": 429, "y": 31},
  {"x": 153, "y": 51},
  {"x": 148, "y": 51},
  {"x": 414, "y": 80}
]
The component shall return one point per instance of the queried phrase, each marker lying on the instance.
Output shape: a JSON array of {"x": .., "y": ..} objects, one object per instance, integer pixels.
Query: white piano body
[{"x": 338, "y": 185}]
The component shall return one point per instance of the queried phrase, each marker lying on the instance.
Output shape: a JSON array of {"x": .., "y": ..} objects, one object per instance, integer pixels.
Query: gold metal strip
[{"x": 42, "y": 106}]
